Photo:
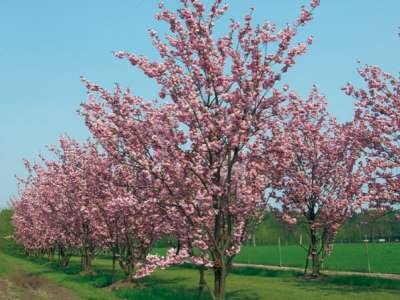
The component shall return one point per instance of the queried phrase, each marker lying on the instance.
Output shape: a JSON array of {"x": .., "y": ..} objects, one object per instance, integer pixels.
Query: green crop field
[
  {"x": 384, "y": 258},
  {"x": 24, "y": 278}
]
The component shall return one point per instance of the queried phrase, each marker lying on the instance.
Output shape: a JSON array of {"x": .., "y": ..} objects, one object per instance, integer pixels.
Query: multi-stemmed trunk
[
  {"x": 223, "y": 230},
  {"x": 315, "y": 257},
  {"x": 50, "y": 254},
  {"x": 220, "y": 274},
  {"x": 317, "y": 251},
  {"x": 63, "y": 257},
  {"x": 114, "y": 258},
  {"x": 222, "y": 264},
  {"x": 88, "y": 249},
  {"x": 86, "y": 260},
  {"x": 130, "y": 255},
  {"x": 126, "y": 263}
]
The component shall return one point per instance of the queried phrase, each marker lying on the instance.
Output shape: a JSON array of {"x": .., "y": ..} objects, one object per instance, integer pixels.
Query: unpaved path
[
  {"x": 23, "y": 286},
  {"x": 326, "y": 272}
]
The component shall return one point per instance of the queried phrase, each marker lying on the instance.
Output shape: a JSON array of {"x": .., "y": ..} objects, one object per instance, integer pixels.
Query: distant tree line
[{"x": 362, "y": 226}]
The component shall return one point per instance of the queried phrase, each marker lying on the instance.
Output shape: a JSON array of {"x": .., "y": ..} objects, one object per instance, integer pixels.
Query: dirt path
[
  {"x": 23, "y": 286},
  {"x": 326, "y": 272}
]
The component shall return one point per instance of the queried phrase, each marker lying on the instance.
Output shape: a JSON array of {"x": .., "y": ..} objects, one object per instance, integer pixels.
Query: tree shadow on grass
[
  {"x": 243, "y": 294},
  {"x": 248, "y": 271},
  {"x": 159, "y": 289},
  {"x": 155, "y": 288},
  {"x": 145, "y": 288},
  {"x": 363, "y": 282},
  {"x": 348, "y": 284},
  {"x": 99, "y": 279},
  {"x": 152, "y": 287},
  {"x": 158, "y": 293}
]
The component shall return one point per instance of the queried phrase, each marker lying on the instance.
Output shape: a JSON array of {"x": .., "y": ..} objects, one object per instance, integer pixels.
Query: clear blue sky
[{"x": 46, "y": 45}]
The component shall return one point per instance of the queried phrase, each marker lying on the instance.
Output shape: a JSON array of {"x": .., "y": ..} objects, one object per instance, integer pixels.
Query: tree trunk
[
  {"x": 65, "y": 261},
  {"x": 63, "y": 257},
  {"x": 202, "y": 283},
  {"x": 59, "y": 257},
  {"x": 127, "y": 267},
  {"x": 87, "y": 262},
  {"x": 314, "y": 255},
  {"x": 219, "y": 282},
  {"x": 113, "y": 265}
]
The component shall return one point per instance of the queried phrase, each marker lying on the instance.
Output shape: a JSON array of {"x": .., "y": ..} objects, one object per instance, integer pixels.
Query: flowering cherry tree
[
  {"x": 200, "y": 143},
  {"x": 138, "y": 225},
  {"x": 58, "y": 196},
  {"x": 378, "y": 115},
  {"x": 80, "y": 202},
  {"x": 41, "y": 220},
  {"x": 34, "y": 224},
  {"x": 319, "y": 174}
]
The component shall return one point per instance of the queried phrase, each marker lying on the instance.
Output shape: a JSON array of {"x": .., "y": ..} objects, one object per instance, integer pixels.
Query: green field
[
  {"x": 180, "y": 283},
  {"x": 384, "y": 258},
  {"x": 23, "y": 278}
]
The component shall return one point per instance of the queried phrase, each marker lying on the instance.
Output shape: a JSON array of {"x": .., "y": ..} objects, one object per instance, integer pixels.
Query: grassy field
[
  {"x": 23, "y": 278},
  {"x": 384, "y": 258},
  {"x": 43, "y": 280}
]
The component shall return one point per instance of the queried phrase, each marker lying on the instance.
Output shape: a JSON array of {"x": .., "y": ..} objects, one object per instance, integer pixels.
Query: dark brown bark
[
  {"x": 315, "y": 257},
  {"x": 114, "y": 258},
  {"x": 219, "y": 282},
  {"x": 86, "y": 261},
  {"x": 63, "y": 257}
]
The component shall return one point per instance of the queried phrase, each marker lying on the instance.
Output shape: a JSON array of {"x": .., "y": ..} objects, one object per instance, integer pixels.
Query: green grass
[
  {"x": 384, "y": 258},
  {"x": 180, "y": 283}
]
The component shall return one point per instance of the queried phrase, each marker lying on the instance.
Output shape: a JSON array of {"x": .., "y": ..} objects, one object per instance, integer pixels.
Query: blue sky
[{"x": 46, "y": 45}]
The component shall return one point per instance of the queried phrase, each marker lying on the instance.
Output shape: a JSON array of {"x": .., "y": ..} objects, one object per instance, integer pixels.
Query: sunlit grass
[
  {"x": 384, "y": 258},
  {"x": 180, "y": 283}
]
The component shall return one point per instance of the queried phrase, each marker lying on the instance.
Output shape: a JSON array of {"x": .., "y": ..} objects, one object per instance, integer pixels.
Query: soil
[{"x": 23, "y": 286}]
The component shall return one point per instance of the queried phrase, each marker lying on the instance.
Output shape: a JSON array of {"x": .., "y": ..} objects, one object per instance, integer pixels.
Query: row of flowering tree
[
  {"x": 203, "y": 144},
  {"x": 200, "y": 163},
  {"x": 80, "y": 202}
]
